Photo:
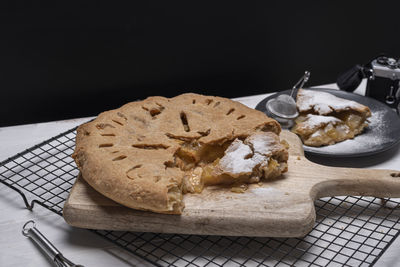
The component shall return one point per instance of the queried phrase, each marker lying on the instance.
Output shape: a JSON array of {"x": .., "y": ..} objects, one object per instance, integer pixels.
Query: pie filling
[
  {"x": 326, "y": 119},
  {"x": 355, "y": 122},
  {"x": 317, "y": 130},
  {"x": 233, "y": 163},
  {"x": 174, "y": 199}
]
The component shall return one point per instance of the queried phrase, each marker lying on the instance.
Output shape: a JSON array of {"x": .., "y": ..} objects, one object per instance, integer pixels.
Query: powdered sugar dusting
[
  {"x": 313, "y": 121},
  {"x": 241, "y": 157},
  {"x": 323, "y": 103},
  {"x": 271, "y": 191},
  {"x": 238, "y": 159},
  {"x": 316, "y": 134},
  {"x": 263, "y": 143},
  {"x": 373, "y": 136}
]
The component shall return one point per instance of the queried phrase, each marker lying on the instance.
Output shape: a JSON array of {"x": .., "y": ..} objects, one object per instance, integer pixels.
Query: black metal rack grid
[{"x": 350, "y": 231}]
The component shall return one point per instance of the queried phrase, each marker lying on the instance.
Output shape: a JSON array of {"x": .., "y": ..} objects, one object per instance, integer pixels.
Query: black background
[{"x": 63, "y": 60}]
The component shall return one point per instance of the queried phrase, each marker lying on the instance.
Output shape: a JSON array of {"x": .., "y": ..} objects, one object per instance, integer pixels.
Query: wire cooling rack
[{"x": 349, "y": 231}]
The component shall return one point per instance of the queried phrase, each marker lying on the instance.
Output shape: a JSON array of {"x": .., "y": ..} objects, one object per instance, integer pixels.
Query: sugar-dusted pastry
[
  {"x": 147, "y": 154},
  {"x": 326, "y": 119}
]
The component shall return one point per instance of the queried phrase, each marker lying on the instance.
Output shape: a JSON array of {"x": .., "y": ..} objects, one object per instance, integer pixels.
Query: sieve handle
[{"x": 300, "y": 83}]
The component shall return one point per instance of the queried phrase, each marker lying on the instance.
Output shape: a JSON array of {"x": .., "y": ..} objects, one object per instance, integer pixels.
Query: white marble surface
[{"x": 82, "y": 246}]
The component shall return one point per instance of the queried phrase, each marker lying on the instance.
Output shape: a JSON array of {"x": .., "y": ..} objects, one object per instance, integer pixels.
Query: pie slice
[
  {"x": 147, "y": 154},
  {"x": 326, "y": 119}
]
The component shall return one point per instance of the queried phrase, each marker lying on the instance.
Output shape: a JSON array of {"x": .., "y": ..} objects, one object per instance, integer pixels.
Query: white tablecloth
[{"x": 82, "y": 246}]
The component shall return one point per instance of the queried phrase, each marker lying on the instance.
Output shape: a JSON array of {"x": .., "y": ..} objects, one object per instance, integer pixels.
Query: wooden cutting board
[{"x": 283, "y": 207}]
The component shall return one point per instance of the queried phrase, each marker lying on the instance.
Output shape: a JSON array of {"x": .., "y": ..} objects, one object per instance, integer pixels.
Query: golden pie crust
[
  {"x": 146, "y": 154},
  {"x": 326, "y": 119}
]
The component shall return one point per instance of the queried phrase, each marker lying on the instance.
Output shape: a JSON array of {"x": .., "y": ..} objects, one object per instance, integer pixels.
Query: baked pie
[
  {"x": 147, "y": 154},
  {"x": 325, "y": 119}
]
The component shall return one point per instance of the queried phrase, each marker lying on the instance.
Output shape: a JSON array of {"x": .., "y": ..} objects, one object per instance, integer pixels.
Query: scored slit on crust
[{"x": 147, "y": 154}]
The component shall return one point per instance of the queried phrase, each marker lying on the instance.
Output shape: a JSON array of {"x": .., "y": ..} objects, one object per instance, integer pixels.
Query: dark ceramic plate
[{"x": 382, "y": 133}]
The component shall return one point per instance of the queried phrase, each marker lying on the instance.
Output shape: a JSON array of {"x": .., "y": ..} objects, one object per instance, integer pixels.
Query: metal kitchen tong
[{"x": 29, "y": 230}]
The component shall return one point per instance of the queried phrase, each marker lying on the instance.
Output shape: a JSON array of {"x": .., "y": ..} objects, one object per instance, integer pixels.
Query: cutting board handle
[
  {"x": 325, "y": 181},
  {"x": 335, "y": 181}
]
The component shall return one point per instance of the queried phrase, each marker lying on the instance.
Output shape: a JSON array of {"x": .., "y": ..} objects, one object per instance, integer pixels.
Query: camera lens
[
  {"x": 392, "y": 63},
  {"x": 382, "y": 60}
]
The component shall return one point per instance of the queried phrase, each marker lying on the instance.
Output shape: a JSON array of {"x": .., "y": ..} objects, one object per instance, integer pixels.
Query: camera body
[{"x": 383, "y": 84}]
